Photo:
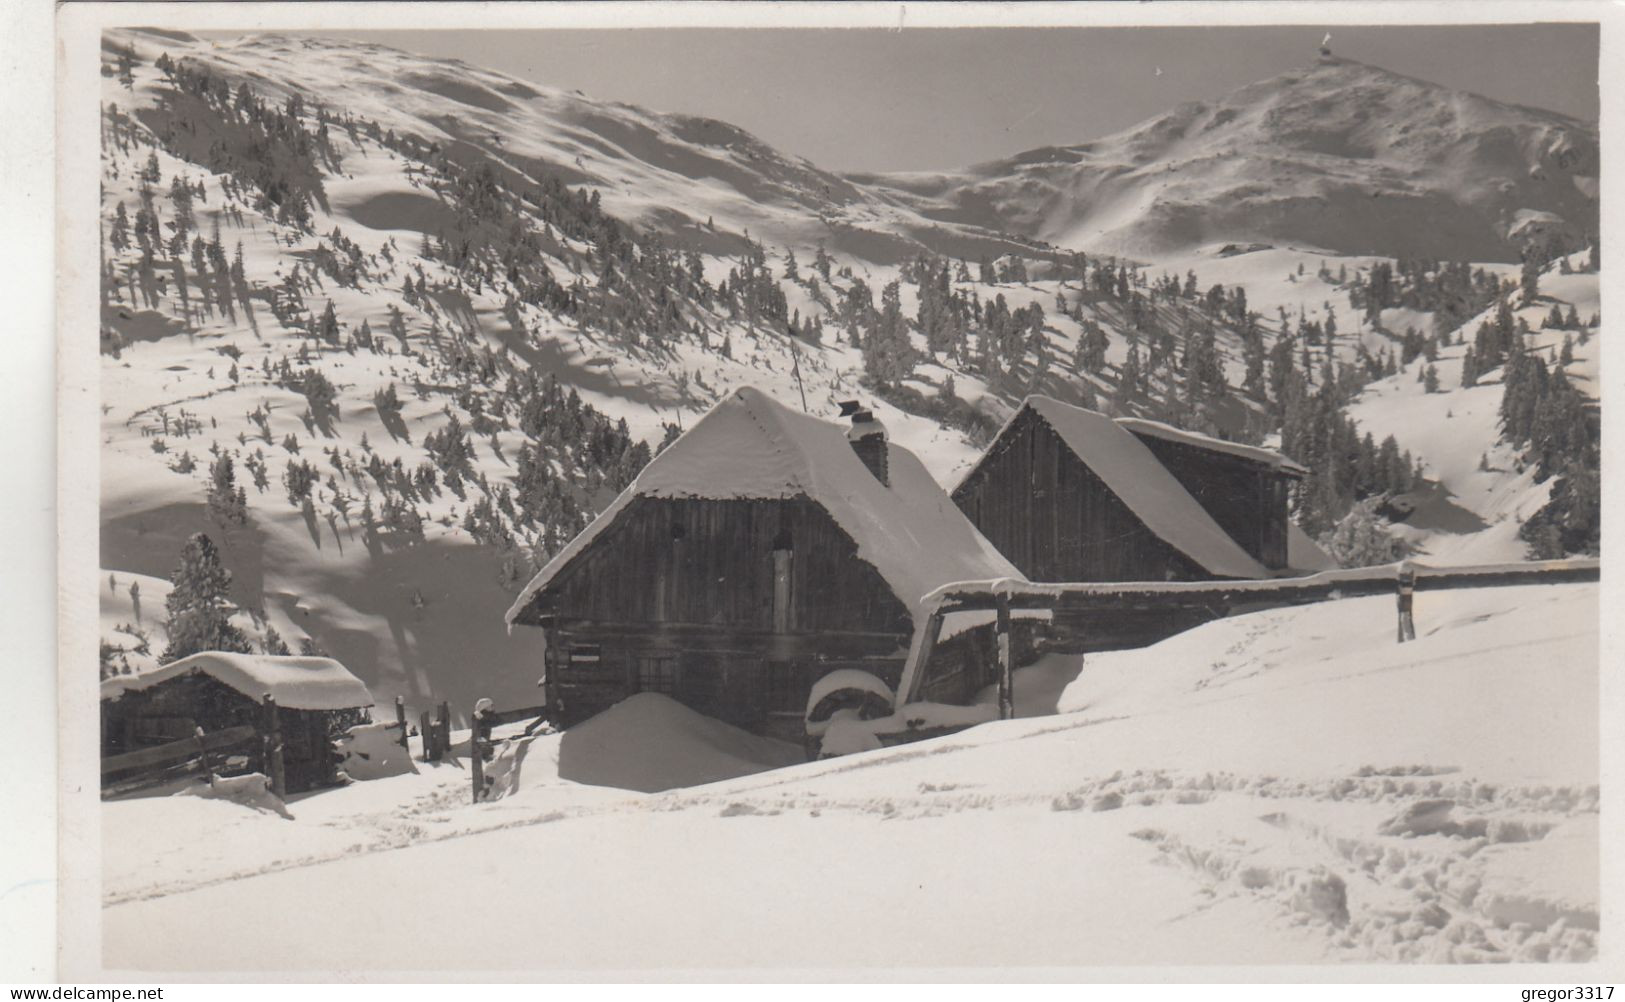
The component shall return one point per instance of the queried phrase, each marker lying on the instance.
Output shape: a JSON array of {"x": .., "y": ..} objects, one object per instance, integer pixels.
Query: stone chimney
[{"x": 868, "y": 438}]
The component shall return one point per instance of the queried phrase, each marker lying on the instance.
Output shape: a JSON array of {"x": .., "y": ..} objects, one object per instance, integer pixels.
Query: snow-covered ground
[{"x": 1289, "y": 786}]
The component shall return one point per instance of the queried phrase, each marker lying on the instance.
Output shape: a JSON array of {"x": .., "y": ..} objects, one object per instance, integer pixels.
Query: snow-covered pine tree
[
  {"x": 1362, "y": 538},
  {"x": 199, "y": 605},
  {"x": 226, "y": 504},
  {"x": 273, "y": 644}
]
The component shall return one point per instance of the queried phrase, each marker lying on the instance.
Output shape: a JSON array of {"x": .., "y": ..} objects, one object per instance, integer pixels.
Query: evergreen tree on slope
[{"x": 199, "y": 606}]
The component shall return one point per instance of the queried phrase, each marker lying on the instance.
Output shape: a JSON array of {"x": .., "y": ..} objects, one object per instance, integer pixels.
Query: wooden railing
[
  {"x": 174, "y": 752},
  {"x": 145, "y": 766},
  {"x": 1111, "y": 615}
]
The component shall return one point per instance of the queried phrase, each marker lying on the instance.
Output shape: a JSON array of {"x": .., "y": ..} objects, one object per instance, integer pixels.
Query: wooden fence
[
  {"x": 1088, "y": 617},
  {"x": 202, "y": 754},
  {"x": 198, "y": 753},
  {"x": 481, "y": 748}
]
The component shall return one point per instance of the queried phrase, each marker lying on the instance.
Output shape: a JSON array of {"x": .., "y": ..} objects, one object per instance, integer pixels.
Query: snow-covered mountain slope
[
  {"x": 1339, "y": 156},
  {"x": 215, "y": 346},
  {"x": 1287, "y": 786},
  {"x": 699, "y": 179},
  {"x": 1480, "y": 490}
]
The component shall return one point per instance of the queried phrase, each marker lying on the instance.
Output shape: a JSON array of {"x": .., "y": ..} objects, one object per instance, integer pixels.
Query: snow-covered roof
[
  {"x": 1139, "y": 479},
  {"x": 1303, "y": 554},
  {"x": 297, "y": 683},
  {"x": 1156, "y": 429},
  {"x": 749, "y": 446}
]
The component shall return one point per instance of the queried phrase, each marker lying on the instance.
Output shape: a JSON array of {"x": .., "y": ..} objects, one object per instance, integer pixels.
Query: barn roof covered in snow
[
  {"x": 1304, "y": 554},
  {"x": 1167, "y": 432},
  {"x": 297, "y": 683},
  {"x": 749, "y": 446},
  {"x": 1138, "y": 478}
]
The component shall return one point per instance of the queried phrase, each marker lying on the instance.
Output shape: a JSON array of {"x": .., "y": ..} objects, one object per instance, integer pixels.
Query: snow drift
[{"x": 651, "y": 742}]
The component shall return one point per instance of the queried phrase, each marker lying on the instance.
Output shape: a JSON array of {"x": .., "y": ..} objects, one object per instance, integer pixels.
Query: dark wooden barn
[
  {"x": 761, "y": 551},
  {"x": 218, "y": 692},
  {"x": 1069, "y": 494}
]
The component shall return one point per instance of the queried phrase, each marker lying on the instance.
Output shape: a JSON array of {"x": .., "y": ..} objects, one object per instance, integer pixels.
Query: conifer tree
[
  {"x": 273, "y": 644},
  {"x": 199, "y": 605},
  {"x": 226, "y": 502},
  {"x": 120, "y": 235},
  {"x": 328, "y": 328},
  {"x": 1529, "y": 279},
  {"x": 1362, "y": 538}
]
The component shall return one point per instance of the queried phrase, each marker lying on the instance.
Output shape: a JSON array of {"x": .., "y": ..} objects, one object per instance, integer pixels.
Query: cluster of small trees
[
  {"x": 1542, "y": 413},
  {"x": 1345, "y": 466},
  {"x": 1453, "y": 291},
  {"x": 271, "y": 149}
]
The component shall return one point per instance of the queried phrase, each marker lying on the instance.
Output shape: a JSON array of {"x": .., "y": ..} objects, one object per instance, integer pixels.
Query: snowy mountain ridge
[{"x": 1341, "y": 156}]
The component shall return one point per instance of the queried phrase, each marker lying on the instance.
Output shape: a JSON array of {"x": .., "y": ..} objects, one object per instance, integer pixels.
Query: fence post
[
  {"x": 426, "y": 734},
  {"x": 273, "y": 738},
  {"x": 203, "y": 753},
  {"x": 1007, "y": 697},
  {"x": 442, "y": 734},
  {"x": 1405, "y": 592},
  {"x": 400, "y": 718},
  {"x": 476, "y": 759}
]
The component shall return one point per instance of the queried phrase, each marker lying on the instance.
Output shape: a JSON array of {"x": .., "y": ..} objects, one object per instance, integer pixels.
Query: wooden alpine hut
[
  {"x": 759, "y": 553},
  {"x": 210, "y": 697}
]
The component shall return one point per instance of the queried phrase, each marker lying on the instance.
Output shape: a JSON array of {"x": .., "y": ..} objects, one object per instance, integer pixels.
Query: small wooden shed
[
  {"x": 761, "y": 551},
  {"x": 315, "y": 699},
  {"x": 1069, "y": 494}
]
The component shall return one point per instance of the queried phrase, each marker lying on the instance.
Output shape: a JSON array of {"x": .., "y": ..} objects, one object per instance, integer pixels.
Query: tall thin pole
[
  {"x": 1007, "y": 696},
  {"x": 795, "y": 366}
]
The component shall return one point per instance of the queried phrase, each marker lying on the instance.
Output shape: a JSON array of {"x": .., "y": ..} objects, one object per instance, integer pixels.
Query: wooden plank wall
[
  {"x": 1052, "y": 517},
  {"x": 733, "y": 592},
  {"x": 1247, "y": 499},
  {"x": 710, "y": 562}
]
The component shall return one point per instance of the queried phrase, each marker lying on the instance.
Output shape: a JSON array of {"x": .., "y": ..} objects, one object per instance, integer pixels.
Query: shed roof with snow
[
  {"x": 750, "y": 447},
  {"x": 1168, "y": 433},
  {"x": 296, "y": 683}
]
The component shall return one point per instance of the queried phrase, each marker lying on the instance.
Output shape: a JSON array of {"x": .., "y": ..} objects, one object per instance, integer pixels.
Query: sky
[{"x": 927, "y": 99}]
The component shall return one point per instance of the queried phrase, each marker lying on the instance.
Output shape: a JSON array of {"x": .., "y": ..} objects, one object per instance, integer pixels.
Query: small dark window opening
[
  {"x": 782, "y": 541},
  {"x": 657, "y": 674}
]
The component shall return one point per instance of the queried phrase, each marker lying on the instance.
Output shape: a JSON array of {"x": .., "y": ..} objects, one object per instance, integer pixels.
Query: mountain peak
[{"x": 1337, "y": 154}]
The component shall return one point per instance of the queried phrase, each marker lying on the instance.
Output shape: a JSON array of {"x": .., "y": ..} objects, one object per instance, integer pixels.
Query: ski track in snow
[{"x": 1409, "y": 886}]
